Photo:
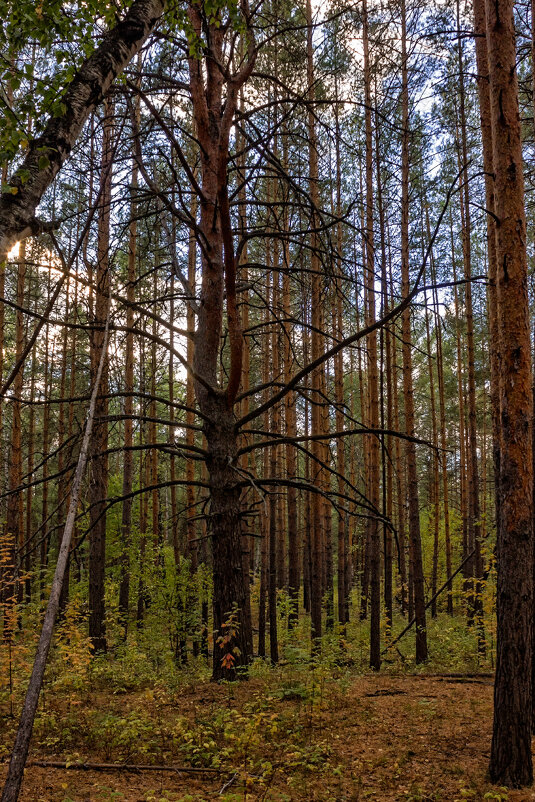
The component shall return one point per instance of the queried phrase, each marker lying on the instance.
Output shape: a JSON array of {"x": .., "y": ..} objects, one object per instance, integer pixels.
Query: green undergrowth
[
  {"x": 136, "y": 704},
  {"x": 146, "y": 660}
]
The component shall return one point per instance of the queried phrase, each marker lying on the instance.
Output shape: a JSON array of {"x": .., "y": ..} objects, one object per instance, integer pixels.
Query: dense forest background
[{"x": 270, "y": 245}]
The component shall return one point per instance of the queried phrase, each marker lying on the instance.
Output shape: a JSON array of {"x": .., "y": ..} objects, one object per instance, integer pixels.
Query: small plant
[
  {"x": 230, "y": 629},
  {"x": 500, "y": 795}
]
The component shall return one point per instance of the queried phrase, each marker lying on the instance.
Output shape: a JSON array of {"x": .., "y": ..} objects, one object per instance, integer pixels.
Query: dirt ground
[{"x": 373, "y": 738}]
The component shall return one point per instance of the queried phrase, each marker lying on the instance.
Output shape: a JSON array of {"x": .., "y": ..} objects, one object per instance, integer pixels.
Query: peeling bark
[{"x": 85, "y": 92}]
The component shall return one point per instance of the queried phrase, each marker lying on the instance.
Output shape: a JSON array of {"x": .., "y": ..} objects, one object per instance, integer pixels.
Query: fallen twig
[
  {"x": 228, "y": 784},
  {"x": 62, "y": 764}
]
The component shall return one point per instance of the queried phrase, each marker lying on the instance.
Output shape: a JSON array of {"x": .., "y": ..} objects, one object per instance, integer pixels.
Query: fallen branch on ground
[{"x": 62, "y": 764}]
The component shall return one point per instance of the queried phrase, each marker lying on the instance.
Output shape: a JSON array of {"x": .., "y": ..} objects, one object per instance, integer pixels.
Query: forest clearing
[{"x": 267, "y": 451}]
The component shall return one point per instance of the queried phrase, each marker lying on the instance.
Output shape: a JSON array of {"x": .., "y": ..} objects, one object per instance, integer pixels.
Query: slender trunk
[
  {"x": 190, "y": 415},
  {"x": 290, "y": 420},
  {"x": 462, "y": 438},
  {"x": 405, "y": 597},
  {"x": 337, "y": 315},
  {"x": 474, "y": 526},
  {"x": 488, "y": 167},
  {"x": 62, "y": 495},
  {"x": 265, "y": 513},
  {"x": 386, "y": 398},
  {"x": 442, "y": 416},
  {"x": 274, "y": 568},
  {"x": 364, "y": 560},
  {"x": 410, "y": 449},
  {"x": 373, "y": 383},
  {"x": 307, "y": 523},
  {"x": 45, "y": 540},
  {"x": 13, "y": 533},
  {"x": 98, "y": 488},
  {"x": 248, "y": 542},
  {"x": 128, "y": 458},
  {"x": 142, "y": 596},
  {"x": 29, "y": 472},
  {"x": 435, "y": 480},
  {"x": 317, "y": 502}
]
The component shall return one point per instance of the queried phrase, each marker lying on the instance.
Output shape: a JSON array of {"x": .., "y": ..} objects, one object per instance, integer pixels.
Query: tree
[
  {"x": 510, "y": 761},
  {"x": 415, "y": 547}
]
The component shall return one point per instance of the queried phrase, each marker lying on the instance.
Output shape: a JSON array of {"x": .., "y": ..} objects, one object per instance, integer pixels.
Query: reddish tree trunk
[{"x": 511, "y": 761}]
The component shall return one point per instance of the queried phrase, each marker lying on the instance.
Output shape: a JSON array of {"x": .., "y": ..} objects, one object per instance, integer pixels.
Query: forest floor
[{"x": 282, "y": 735}]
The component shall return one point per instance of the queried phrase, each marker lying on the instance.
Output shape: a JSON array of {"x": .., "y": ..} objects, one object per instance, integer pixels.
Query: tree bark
[{"x": 511, "y": 761}]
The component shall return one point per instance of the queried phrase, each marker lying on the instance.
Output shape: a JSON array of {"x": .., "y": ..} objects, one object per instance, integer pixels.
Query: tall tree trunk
[
  {"x": 386, "y": 398},
  {"x": 273, "y": 564},
  {"x": 13, "y": 533},
  {"x": 511, "y": 761},
  {"x": 410, "y": 449},
  {"x": 337, "y": 315},
  {"x": 488, "y": 167},
  {"x": 373, "y": 383},
  {"x": 463, "y": 495},
  {"x": 142, "y": 595},
  {"x": 192, "y": 549},
  {"x": 435, "y": 480},
  {"x": 265, "y": 513},
  {"x": 98, "y": 487},
  {"x": 45, "y": 540},
  {"x": 401, "y": 495},
  {"x": 290, "y": 419},
  {"x": 128, "y": 458},
  {"x": 214, "y": 104},
  {"x": 29, "y": 472},
  {"x": 153, "y": 434},
  {"x": 62, "y": 494},
  {"x": 317, "y": 451},
  {"x": 442, "y": 416},
  {"x": 474, "y": 515}
]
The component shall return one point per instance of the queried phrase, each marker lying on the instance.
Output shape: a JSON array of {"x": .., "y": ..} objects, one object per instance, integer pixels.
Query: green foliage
[{"x": 42, "y": 44}]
